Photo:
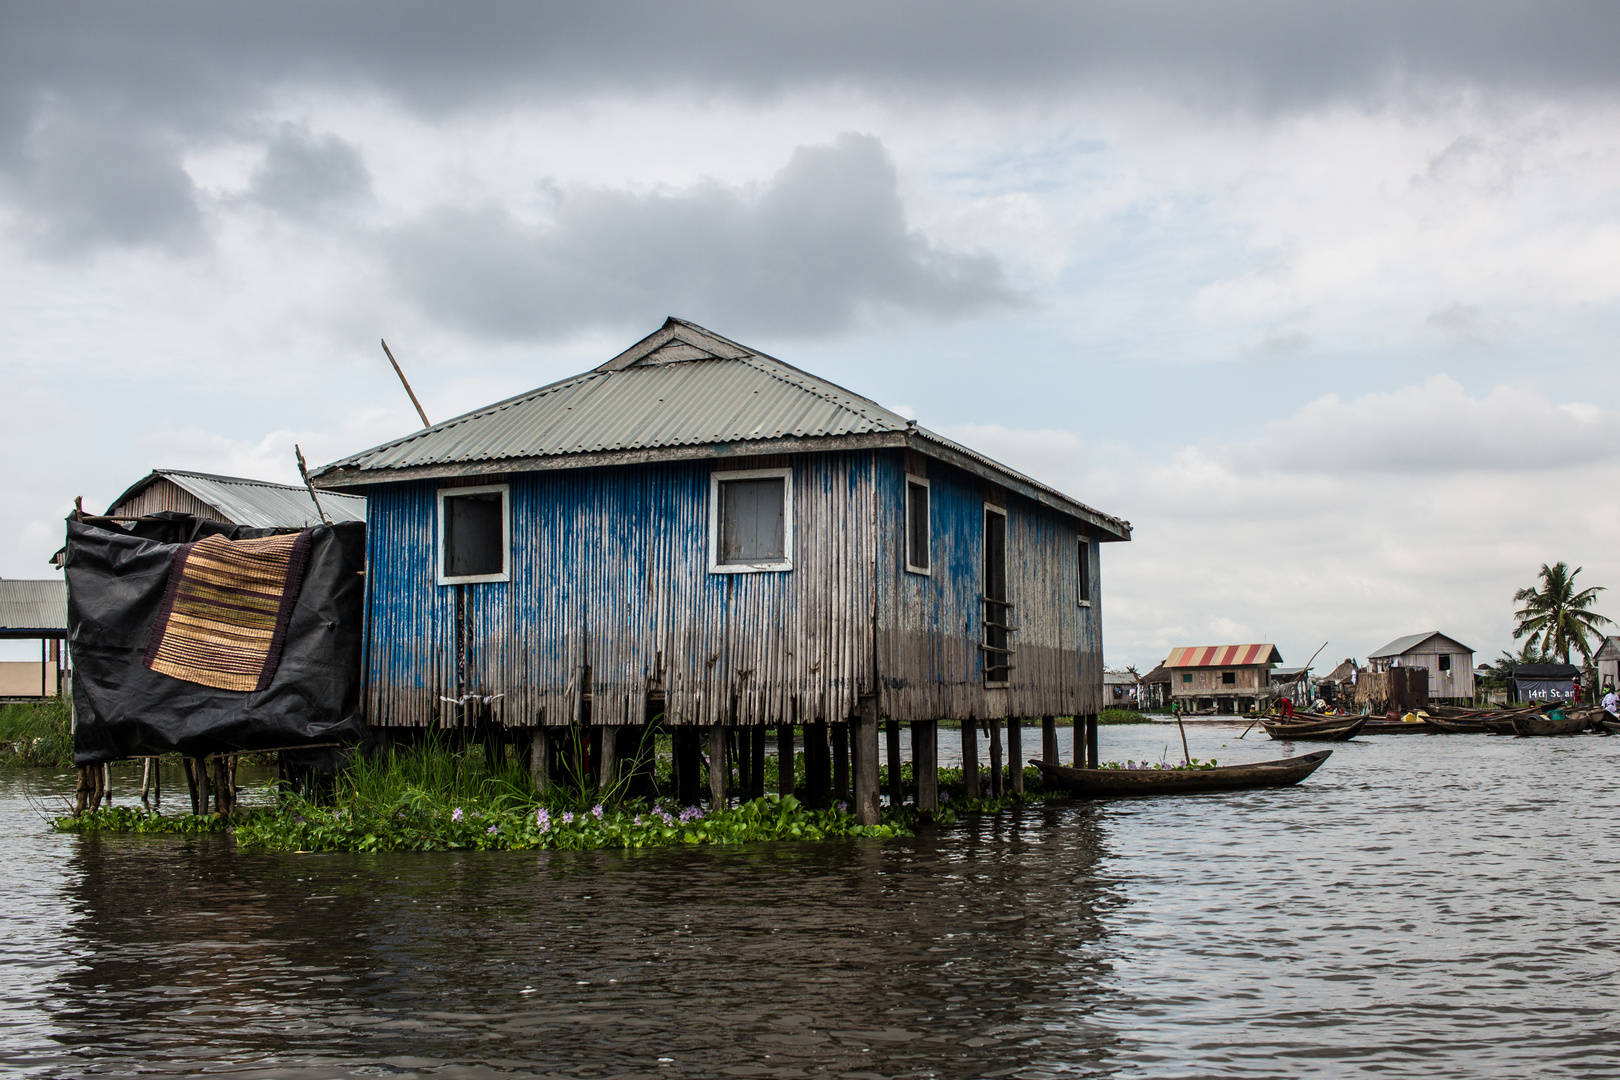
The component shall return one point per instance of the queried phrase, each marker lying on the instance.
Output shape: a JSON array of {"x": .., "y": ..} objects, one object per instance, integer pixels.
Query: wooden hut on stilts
[{"x": 697, "y": 536}]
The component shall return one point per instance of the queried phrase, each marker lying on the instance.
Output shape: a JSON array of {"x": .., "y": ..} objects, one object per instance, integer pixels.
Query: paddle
[{"x": 1296, "y": 678}]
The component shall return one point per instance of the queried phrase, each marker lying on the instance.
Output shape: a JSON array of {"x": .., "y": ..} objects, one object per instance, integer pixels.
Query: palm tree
[{"x": 1555, "y": 617}]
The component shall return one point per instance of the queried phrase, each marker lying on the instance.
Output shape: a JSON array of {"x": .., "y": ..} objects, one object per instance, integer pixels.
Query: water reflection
[{"x": 943, "y": 956}]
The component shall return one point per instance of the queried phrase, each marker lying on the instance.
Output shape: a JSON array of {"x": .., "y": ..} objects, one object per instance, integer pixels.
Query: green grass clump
[
  {"x": 1122, "y": 716},
  {"x": 36, "y": 735},
  {"x": 131, "y": 819}
]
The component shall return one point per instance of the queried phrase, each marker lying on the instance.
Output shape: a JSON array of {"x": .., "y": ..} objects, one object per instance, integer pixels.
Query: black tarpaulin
[{"x": 116, "y": 580}]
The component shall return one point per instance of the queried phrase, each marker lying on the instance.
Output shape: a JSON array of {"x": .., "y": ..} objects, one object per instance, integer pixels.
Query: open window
[
  {"x": 917, "y": 529},
  {"x": 750, "y": 521},
  {"x": 997, "y": 608},
  {"x": 1228, "y": 678},
  {"x": 1083, "y": 592},
  {"x": 1445, "y": 661},
  {"x": 475, "y": 534}
]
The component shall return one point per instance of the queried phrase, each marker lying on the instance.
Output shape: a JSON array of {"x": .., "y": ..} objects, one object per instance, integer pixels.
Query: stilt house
[
  {"x": 1224, "y": 678},
  {"x": 698, "y": 532}
]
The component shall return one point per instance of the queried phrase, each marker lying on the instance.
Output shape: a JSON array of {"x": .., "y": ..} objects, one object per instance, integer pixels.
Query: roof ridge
[{"x": 806, "y": 377}]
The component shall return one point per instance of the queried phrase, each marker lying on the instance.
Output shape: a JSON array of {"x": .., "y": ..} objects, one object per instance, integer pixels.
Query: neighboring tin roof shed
[
  {"x": 258, "y": 504},
  {"x": 33, "y": 608},
  {"x": 683, "y": 392},
  {"x": 1402, "y": 645},
  {"x": 1223, "y": 656}
]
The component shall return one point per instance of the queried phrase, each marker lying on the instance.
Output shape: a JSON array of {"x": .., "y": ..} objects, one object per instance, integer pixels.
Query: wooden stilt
[
  {"x": 897, "y": 791},
  {"x": 104, "y": 791},
  {"x": 146, "y": 782},
  {"x": 607, "y": 773},
  {"x": 157, "y": 783},
  {"x": 1049, "y": 741},
  {"x": 868, "y": 799},
  {"x": 970, "y": 757},
  {"x": 1079, "y": 741},
  {"x": 81, "y": 792},
  {"x": 1015, "y": 754},
  {"x": 1093, "y": 761},
  {"x": 688, "y": 755},
  {"x": 817, "y": 765},
  {"x": 756, "y": 766},
  {"x": 784, "y": 759},
  {"x": 540, "y": 759},
  {"x": 995, "y": 758},
  {"x": 840, "y": 752},
  {"x": 717, "y": 767},
  {"x": 925, "y": 763},
  {"x": 194, "y": 781}
]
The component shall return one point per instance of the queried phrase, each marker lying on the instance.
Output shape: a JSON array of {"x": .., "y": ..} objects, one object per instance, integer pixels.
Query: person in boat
[
  {"x": 1611, "y": 703},
  {"x": 1285, "y": 707}
]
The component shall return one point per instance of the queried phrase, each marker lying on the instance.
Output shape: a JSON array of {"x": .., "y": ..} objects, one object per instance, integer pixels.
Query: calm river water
[{"x": 1422, "y": 906}]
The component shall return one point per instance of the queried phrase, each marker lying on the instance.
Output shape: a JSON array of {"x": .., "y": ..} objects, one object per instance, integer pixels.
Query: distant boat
[
  {"x": 1104, "y": 783},
  {"x": 1525, "y": 726},
  {"x": 1325, "y": 729},
  {"x": 1474, "y": 726}
]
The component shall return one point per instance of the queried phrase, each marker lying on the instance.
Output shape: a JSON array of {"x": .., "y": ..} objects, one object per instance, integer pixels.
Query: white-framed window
[
  {"x": 750, "y": 521},
  {"x": 1083, "y": 592},
  {"x": 918, "y": 529},
  {"x": 475, "y": 534}
]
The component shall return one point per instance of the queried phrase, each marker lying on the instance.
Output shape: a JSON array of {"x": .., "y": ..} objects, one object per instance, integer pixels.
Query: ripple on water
[{"x": 1421, "y": 907}]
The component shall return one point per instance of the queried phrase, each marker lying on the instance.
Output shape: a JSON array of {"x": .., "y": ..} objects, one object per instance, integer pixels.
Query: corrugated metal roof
[
  {"x": 33, "y": 604},
  {"x": 680, "y": 387},
  {"x": 258, "y": 504},
  {"x": 1223, "y": 656},
  {"x": 1409, "y": 642}
]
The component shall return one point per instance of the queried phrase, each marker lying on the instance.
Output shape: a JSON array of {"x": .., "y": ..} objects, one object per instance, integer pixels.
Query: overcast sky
[{"x": 1324, "y": 300}]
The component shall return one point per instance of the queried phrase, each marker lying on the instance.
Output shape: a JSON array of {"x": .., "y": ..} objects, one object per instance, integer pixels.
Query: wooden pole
[
  {"x": 817, "y": 764},
  {"x": 609, "y": 764},
  {"x": 840, "y": 751},
  {"x": 897, "y": 791},
  {"x": 970, "y": 757},
  {"x": 303, "y": 471},
  {"x": 1015, "y": 753},
  {"x": 717, "y": 767},
  {"x": 403, "y": 382},
  {"x": 995, "y": 759},
  {"x": 925, "y": 763},
  {"x": 1093, "y": 757},
  {"x": 540, "y": 759},
  {"x": 784, "y": 758},
  {"x": 868, "y": 800},
  {"x": 1049, "y": 741},
  {"x": 756, "y": 768},
  {"x": 1186, "y": 754}
]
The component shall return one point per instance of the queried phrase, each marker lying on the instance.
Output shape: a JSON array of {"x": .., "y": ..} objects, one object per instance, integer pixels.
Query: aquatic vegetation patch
[
  {"x": 36, "y": 735},
  {"x": 1156, "y": 766}
]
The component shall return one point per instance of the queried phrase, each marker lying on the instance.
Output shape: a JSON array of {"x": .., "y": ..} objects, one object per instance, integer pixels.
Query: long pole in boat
[
  {"x": 1186, "y": 755},
  {"x": 1296, "y": 678},
  {"x": 401, "y": 373}
]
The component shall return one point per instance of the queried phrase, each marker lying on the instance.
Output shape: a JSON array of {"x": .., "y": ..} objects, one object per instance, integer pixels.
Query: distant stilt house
[
  {"x": 33, "y": 610},
  {"x": 1225, "y": 678},
  {"x": 1607, "y": 659},
  {"x": 1450, "y": 663},
  {"x": 1153, "y": 691},
  {"x": 698, "y": 532}
]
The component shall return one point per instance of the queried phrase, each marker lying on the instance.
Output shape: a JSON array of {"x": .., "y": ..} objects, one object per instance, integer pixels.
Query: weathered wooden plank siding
[
  {"x": 931, "y": 625},
  {"x": 610, "y": 593}
]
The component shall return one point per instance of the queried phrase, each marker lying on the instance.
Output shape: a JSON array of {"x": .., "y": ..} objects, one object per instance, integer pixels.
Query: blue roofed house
[{"x": 697, "y": 531}]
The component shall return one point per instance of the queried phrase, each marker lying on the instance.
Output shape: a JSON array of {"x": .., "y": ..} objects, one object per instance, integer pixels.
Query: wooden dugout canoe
[
  {"x": 1525, "y": 726},
  {"x": 1114, "y": 783},
  {"x": 1330, "y": 729}
]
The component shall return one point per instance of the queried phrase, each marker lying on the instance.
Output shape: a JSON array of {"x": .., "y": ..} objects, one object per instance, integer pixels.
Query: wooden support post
[
  {"x": 995, "y": 758},
  {"x": 925, "y": 763},
  {"x": 608, "y": 760},
  {"x": 840, "y": 752},
  {"x": 1015, "y": 754},
  {"x": 970, "y": 757},
  {"x": 717, "y": 767},
  {"x": 1093, "y": 761},
  {"x": 540, "y": 759},
  {"x": 742, "y": 754},
  {"x": 897, "y": 790},
  {"x": 1049, "y": 741},
  {"x": 784, "y": 758},
  {"x": 1079, "y": 741},
  {"x": 81, "y": 793},
  {"x": 868, "y": 798},
  {"x": 756, "y": 767},
  {"x": 688, "y": 763},
  {"x": 817, "y": 765},
  {"x": 195, "y": 781}
]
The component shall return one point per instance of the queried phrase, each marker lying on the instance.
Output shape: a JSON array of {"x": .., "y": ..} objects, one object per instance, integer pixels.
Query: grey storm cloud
[
  {"x": 823, "y": 244},
  {"x": 305, "y": 175},
  {"x": 100, "y": 100}
]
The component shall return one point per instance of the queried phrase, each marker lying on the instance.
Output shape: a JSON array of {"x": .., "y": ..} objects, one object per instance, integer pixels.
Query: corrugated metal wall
[
  {"x": 610, "y": 584},
  {"x": 933, "y": 624},
  {"x": 610, "y": 592}
]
